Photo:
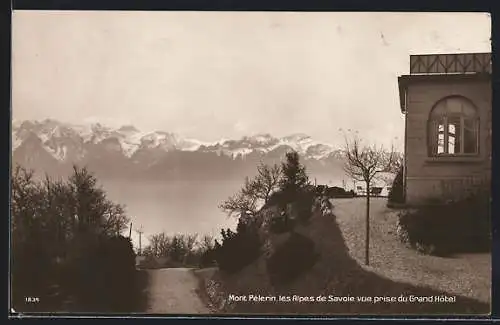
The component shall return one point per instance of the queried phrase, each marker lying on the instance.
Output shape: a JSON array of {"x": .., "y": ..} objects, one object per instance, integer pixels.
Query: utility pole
[
  {"x": 140, "y": 232},
  {"x": 130, "y": 231}
]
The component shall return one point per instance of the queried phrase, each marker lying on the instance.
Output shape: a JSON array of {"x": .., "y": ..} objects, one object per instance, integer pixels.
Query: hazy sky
[{"x": 212, "y": 75}]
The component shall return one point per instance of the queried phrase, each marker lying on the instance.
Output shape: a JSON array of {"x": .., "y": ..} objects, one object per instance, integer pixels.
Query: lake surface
[{"x": 184, "y": 207}]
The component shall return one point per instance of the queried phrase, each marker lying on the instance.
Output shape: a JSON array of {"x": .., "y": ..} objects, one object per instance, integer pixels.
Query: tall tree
[
  {"x": 56, "y": 220},
  {"x": 207, "y": 242},
  {"x": 158, "y": 245},
  {"x": 94, "y": 212},
  {"x": 364, "y": 163},
  {"x": 294, "y": 178}
]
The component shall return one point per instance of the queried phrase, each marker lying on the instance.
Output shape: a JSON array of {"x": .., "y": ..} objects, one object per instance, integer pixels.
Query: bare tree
[
  {"x": 55, "y": 223},
  {"x": 115, "y": 219},
  {"x": 364, "y": 163},
  {"x": 254, "y": 191},
  {"x": 190, "y": 241},
  {"x": 266, "y": 182},
  {"x": 158, "y": 245},
  {"x": 388, "y": 176},
  {"x": 207, "y": 242},
  {"x": 240, "y": 203}
]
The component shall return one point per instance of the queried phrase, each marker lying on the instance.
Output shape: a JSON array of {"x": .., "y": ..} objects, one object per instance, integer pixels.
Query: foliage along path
[{"x": 173, "y": 291}]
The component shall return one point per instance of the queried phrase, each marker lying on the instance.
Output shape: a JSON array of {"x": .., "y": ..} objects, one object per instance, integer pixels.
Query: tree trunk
[{"x": 367, "y": 238}]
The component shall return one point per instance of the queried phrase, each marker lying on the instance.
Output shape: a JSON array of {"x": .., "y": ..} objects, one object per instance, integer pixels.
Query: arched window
[{"x": 453, "y": 128}]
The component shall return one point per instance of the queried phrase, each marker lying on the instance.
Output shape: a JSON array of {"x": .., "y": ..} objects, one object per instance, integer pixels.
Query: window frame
[{"x": 433, "y": 130}]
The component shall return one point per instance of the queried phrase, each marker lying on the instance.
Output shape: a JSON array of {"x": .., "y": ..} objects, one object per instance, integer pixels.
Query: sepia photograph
[{"x": 251, "y": 163}]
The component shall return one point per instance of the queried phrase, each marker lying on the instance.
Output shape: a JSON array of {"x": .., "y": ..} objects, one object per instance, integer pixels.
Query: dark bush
[
  {"x": 279, "y": 199},
  {"x": 338, "y": 192},
  {"x": 149, "y": 262},
  {"x": 32, "y": 275},
  {"x": 238, "y": 249},
  {"x": 191, "y": 259},
  {"x": 293, "y": 258},
  {"x": 101, "y": 273},
  {"x": 281, "y": 224},
  {"x": 376, "y": 191},
  {"x": 304, "y": 206},
  {"x": 69, "y": 263},
  {"x": 449, "y": 228},
  {"x": 295, "y": 209},
  {"x": 153, "y": 262},
  {"x": 396, "y": 194},
  {"x": 321, "y": 190},
  {"x": 207, "y": 258}
]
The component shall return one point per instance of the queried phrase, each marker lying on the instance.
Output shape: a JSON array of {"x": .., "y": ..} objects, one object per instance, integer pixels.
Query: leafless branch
[{"x": 365, "y": 162}]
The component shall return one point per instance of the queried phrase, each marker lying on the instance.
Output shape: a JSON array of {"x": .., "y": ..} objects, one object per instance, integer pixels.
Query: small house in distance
[
  {"x": 446, "y": 101},
  {"x": 380, "y": 186}
]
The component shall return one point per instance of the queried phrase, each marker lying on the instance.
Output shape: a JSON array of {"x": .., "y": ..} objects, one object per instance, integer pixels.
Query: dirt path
[
  {"x": 173, "y": 291},
  {"x": 467, "y": 274}
]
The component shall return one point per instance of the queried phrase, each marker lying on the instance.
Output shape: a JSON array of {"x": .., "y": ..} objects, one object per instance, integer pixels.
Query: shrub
[
  {"x": 321, "y": 190},
  {"x": 207, "y": 258},
  {"x": 101, "y": 272},
  {"x": 396, "y": 194},
  {"x": 32, "y": 273},
  {"x": 281, "y": 224},
  {"x": 292, "y": 212},
  {"x": 239, "y": 248},
  {"x": 58, "y": 229},
  {"x": 338, "y": 192},
  {"x": 324, "y": 205},
  {"x": 447, "y": 228},
  {"x": 149, "y": 262},
  {"x": 292, "y": 259},
  {"x": 304, "y": 205},
  {"x": 278, "y": 198}
]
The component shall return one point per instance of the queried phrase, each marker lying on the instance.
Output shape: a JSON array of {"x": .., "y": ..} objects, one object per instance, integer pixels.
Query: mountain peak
[
  {"x": 261, "y": 138},
  {"x": 128, "y": 128},
  {"x": 50, "y": 121},
  {"x": 80, "y": 139},
  {"x": 297, "y": 137},
  {"x": 25, "y": 124}
]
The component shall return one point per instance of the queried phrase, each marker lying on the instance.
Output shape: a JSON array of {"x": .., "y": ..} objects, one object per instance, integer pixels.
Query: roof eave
[
  {"x": 402, "y": 82},
  {"x": 405, "y": 80}
]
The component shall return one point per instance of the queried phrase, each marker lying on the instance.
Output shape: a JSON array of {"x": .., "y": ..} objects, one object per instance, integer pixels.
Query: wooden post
[{"x": 140, "y": 232}]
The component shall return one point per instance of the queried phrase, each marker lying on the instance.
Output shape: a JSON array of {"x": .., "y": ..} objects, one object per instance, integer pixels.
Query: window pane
[
  {"x": 453, "y": 135},
  {"x": 440, "y": 138},
  {"x": 470, "y": 136}
]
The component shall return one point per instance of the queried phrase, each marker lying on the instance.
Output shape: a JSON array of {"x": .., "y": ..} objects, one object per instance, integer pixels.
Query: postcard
[{"x": 251, "y": 163}]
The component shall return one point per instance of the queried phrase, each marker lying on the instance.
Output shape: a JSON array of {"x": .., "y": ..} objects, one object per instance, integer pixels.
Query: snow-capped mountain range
[{"x": 49, "y": 143}]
